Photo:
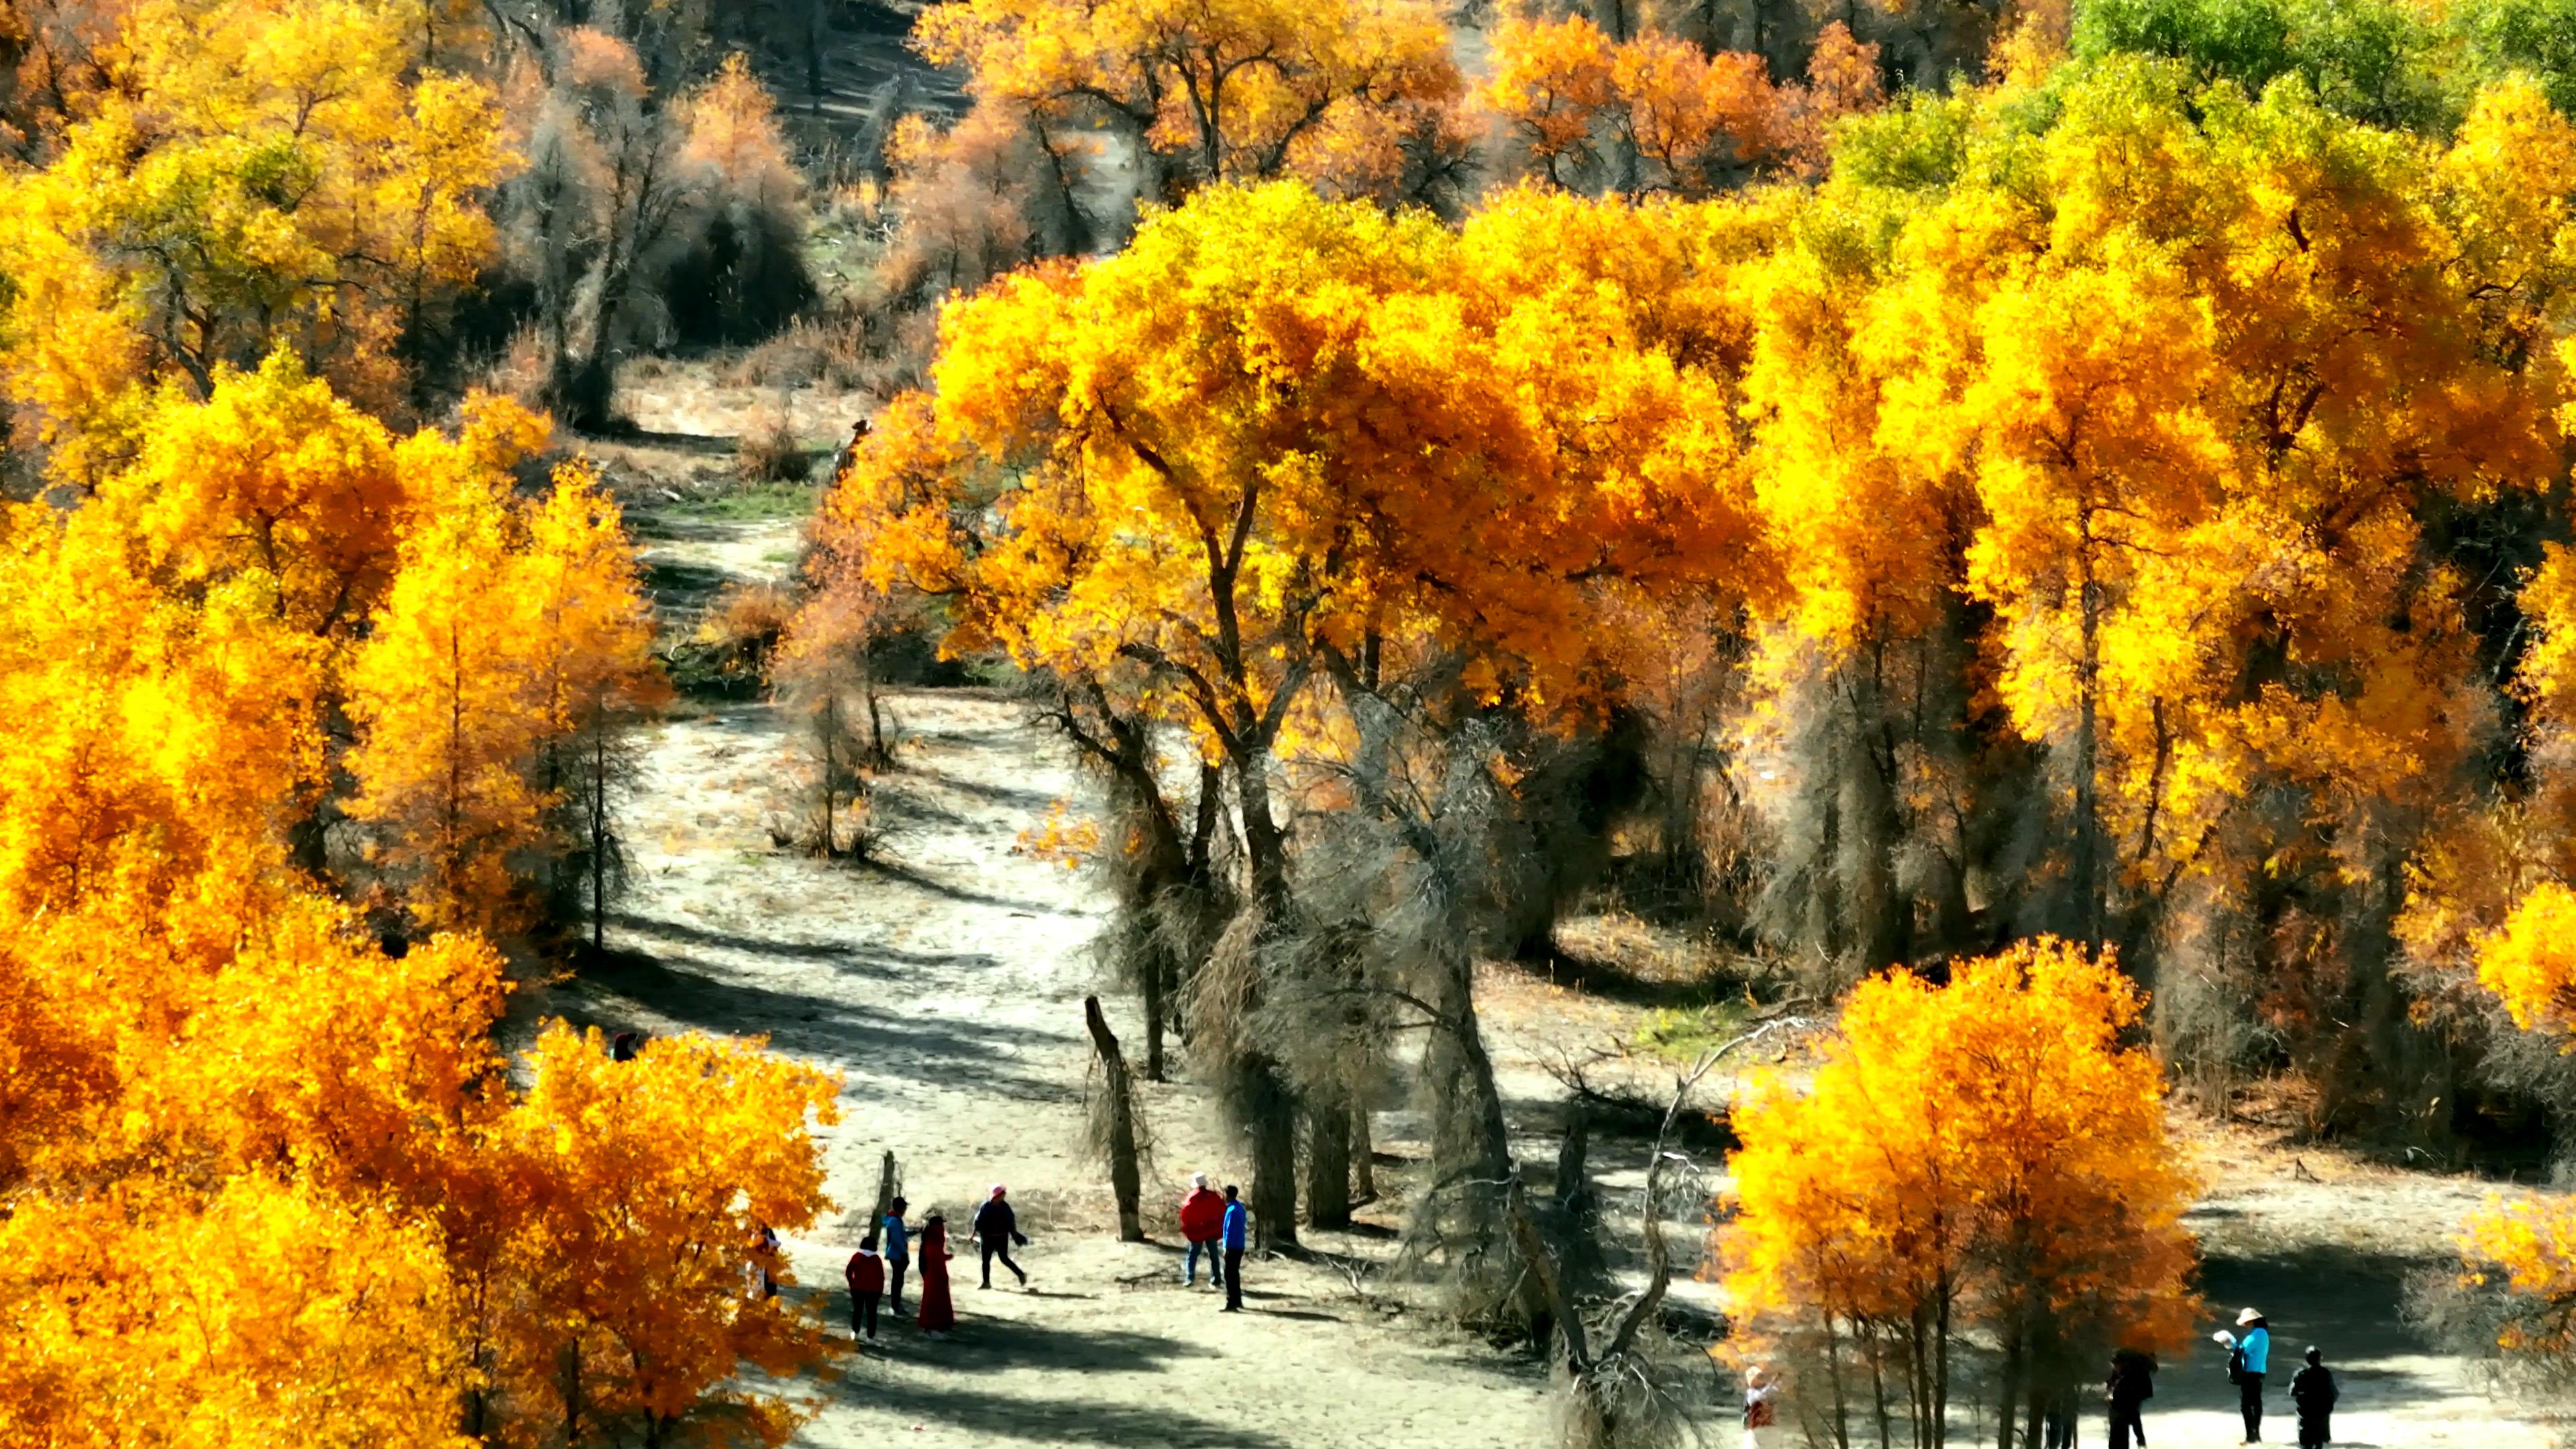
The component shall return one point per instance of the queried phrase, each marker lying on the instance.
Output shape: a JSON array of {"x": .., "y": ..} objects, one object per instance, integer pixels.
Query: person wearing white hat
[
  {"x": 2249, "y": 1358},
  {"x": 1761, "y": 1409}
]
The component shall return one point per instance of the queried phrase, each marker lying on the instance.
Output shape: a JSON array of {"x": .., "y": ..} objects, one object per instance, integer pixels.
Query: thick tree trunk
[
  {"x": 1270, "y": 1116},
  {"x": 1125, "y": 1183},
  {"x": 1328, "y": 1161}
]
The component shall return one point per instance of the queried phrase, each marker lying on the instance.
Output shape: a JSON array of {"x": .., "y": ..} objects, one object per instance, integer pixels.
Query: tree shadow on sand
[
  {"x": 984, "y": 1345},
  {"x": 1005, "y": 1417},
  {"x": 2346, "y": 1301},
  {"x": 857, "y": 1035}
]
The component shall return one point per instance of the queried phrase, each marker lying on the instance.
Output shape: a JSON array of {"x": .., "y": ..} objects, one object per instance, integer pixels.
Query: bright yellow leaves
[
  {"x": 646, "y": 1182},
  {"x": 1275, "y": 428},
  {"x": 2526, "y": 1245},
  {"x": 1982, "y": 1158},
  {"x": 269, "y": 1183},
  {"x": 253, "y": 175},
  {"x": 262, "y": 1315},
  {"x": 508, "y": 627},
  {"x": 2177, "y": 389}
]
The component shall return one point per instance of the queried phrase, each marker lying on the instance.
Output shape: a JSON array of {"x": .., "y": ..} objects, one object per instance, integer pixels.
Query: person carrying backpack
[
  {"x": 2132, "y": 1383},
  {"x": 2248, "y": 1358},
  {"x": 2312, "y": 1389}
]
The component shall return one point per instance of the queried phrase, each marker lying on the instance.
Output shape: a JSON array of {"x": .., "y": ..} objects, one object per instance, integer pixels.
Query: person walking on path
[
  {"x": 1202, "y": 1219},
  {"x": 1761, "y": 1409},
  {"x": 938, "y": 1315},
  {"x": 2249, "y": 1358},
  {"x": 867, "y": 1284},
  {"x": 996, "y": 1228},
  {"x": 1236, "y": 1221},
  {"x": 898, "y": 1253},
  {"x": 2312, "y": 1389},
  {"x": 2132, "y": 1383}
]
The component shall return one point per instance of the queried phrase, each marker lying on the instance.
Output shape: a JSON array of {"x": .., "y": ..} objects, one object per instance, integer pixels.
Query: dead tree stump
[{"x": 1124, "y": 1179}]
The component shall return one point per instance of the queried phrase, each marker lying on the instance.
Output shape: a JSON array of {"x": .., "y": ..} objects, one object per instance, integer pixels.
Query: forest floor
[{"x": 945, "y": 980}]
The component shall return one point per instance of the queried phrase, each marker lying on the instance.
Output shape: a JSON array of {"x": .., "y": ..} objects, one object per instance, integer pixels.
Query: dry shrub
[
  {"x": 745, "y": 625},
  {"x": 772, "y": 452},
  {"x": 800, "y": 356},
  {"x": 741, "y": 273},
  {"x": 975, "y": 201}
]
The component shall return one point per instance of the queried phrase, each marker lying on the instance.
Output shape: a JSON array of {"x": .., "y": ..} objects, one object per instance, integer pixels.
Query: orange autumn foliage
[
  {"x": 1985, "y": 1158},
  {"x": 269, "y": 1183},
  {"x": 238, "y": 176},
  {"x": 1654, "y": 112},
  {"x": 1347, "y": 94}
]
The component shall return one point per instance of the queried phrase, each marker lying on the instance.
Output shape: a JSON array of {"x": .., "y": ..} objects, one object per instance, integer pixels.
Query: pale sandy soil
[{"x": 946, "y": 983}]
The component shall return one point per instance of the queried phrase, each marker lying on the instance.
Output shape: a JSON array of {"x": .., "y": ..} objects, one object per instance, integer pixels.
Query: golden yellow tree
[
  {"x": 1354, "y": 95},
  {"x": 1983, "y": 1158}
]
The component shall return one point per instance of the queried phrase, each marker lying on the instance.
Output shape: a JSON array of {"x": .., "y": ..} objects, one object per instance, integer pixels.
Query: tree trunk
[
  {"x": 1363, "y": 1156},
  {"x": 886, "y": 1184},
  {"x": 1153, "y": 984},
  {"x": 1270, "y": 1116},
  {"x": 1124, "y": 1180},
  {"x": 2088, "y": 678},
  {"x": 1328, "y": 1161}
]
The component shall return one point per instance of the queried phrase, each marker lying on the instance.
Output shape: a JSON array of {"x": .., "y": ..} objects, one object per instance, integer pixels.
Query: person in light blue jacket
[{"x": 2253, "y": 1360}]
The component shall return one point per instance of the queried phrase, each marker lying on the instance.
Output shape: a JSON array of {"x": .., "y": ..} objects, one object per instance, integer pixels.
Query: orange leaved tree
[{"x": 1979, "y": 1163}]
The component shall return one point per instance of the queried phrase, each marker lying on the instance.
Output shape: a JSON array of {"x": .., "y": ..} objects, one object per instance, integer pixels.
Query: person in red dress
[{"x": 938, "y": 1315}]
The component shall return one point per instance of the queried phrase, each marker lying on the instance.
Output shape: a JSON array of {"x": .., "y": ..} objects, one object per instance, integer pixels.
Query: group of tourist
[
  {"x": 2126, "y": 1391},
  {"x": 1213, "y": 1224},
  {"x": 876, "y": 1271}
]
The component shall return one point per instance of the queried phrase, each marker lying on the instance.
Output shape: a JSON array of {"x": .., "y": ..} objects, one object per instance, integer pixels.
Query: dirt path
[{"x": 946, "y": 985}]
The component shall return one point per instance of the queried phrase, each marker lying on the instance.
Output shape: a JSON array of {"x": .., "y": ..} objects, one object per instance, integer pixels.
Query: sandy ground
[{"x": 945, "y": 983}]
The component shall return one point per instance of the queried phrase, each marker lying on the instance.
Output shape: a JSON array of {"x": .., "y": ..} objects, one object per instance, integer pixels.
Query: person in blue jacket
[
  {"x": 898, "y": 1251},
  {"x": 1236, "y": 1220},
  {"x": 2253, "y": 1359}
]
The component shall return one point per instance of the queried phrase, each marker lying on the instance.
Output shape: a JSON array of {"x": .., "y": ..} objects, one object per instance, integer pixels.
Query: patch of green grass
[
  {"x": 1687, "y": 1033},
  {"x": 752, "y": 502}
]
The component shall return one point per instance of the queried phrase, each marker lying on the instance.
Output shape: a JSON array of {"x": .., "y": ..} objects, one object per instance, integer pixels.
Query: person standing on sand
[
  {"x": 2312, "y": 1389},
  {"x": 867, "y": 1283},
  {"x": 2132, "y": 1383},
  {"x": 1237, "y": 1219},
  {"x": 1202, "y": 1218},
  {"x": 996, "y": 1228},
  {"x": 2247, "y": 1360},
  {"x": 898, "y": 1253},
  {"x": 1761, "y": 1409},
  {"x": 938, "y": 1315}
]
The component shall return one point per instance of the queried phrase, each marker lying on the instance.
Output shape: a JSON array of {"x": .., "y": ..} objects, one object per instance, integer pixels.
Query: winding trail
[{"x": 945, "y": 984}]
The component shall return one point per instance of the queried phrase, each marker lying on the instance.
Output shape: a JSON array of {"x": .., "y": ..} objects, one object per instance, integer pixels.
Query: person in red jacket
[
  {"x": 866, "y": 1274},
  {"x": 1202, "y": 1218}
]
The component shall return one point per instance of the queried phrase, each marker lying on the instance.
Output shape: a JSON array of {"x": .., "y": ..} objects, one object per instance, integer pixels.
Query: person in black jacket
[
  {"x": 996, "y": 1228},
  {"x": 2133, "y": 1382},
  {"x": 2312, "y": 1390}
]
